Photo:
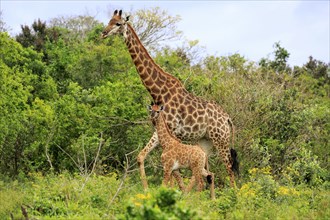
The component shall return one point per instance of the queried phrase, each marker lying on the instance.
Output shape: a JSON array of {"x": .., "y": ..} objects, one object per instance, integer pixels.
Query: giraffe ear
[
  {"x": 161, "y": 108},
  {"x": 149, "y": 107},
  {"x": 127, "y": 18}
]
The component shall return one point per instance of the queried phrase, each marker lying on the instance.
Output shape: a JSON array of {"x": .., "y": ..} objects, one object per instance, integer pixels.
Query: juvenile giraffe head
[
  {"x": 116, "y": 25},
  {"x": 154, "y": 111}
]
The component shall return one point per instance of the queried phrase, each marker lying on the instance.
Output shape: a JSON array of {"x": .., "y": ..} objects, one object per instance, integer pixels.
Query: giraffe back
[{"x": 191, "y": 118}]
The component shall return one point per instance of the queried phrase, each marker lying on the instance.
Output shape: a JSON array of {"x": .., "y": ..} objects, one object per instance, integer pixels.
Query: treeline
[{"x": 70, "y": 101}]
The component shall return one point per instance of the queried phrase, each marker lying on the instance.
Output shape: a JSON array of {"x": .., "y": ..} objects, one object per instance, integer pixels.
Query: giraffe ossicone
[{"x": 188, "y": 117}]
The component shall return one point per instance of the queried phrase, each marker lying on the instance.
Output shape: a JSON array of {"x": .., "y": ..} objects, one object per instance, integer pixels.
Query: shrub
[
  {"x": 11, "y": 199},
  {"x": 162, "y": 204},
  {"x": 305, "y": 169}
]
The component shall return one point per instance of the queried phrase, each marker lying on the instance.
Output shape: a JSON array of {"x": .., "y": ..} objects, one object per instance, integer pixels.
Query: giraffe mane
[
  {"x": 156, "y": 103},
  {"x": 167, "y": 128},
  {"x": 149, "y": 57}
]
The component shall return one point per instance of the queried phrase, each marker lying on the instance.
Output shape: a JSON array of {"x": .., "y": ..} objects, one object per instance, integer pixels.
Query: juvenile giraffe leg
[
  {"x": 153, "y": 142},
  {"x": 179, "y": 180},
  {"x": 191, "y": 184},
  {"x": 210, "y": 176},
  {"x": 167, "y": 163},
  {"x": 167, "y": 176},
  {"x": 212, "y": 186},
  {"x": 197, "y": 172},
  {"x": 200, "y": 183},
  {"x": 172, "y": 181}
]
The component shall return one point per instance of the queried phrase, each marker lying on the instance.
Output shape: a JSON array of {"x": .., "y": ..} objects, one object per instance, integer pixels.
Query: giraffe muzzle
[{"x": 104, "y": 34}]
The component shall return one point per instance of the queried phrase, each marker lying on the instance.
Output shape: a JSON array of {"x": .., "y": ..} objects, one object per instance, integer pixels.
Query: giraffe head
[
  {"x": 154, "y": 111},
  {"x": 117, "y": 25}
]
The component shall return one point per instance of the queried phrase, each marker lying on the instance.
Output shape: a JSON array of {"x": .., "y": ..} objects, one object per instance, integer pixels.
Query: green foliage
[
  {"x": 305, "y": 170},
  {"x": 279, "y": 64},
  {"x": 78, "y": 27},
  {"x": 63, "y": 196},
  {"x": 11, "y": 198},
  {"x": 227, "y": 200},
  {"x": 68, "y": 196},
  {"x": 15, "y": 94},
  {"x": 37, "y": 36},
  {"x": 97, "y": 64},
  {"x": 48, "y": 119},
  {"x": 163, "y": 204},
  {"x": 318, "y": 70}
]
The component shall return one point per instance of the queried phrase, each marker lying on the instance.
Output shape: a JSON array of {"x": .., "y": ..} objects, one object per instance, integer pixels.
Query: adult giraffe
[{"x": 188, "y": 117}]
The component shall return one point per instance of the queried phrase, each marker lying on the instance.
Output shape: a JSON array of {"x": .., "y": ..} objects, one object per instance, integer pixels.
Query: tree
[
  {"x": 318, "y": 69},
  {"x": 3, "y": 25},
  {"x": 281, "y": 58},
  {"x": 16, "y": 77},
  {"x": 279, "y": 64},
  {"x": 33, "y": 37},
  {"x": 155, "y": 26},
  {"x": 78, "y": 27},
  {"x": 37, "y": 36}
]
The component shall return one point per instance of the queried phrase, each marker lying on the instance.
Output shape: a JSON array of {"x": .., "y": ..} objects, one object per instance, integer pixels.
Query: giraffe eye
[{"x": 118, "y": 24}]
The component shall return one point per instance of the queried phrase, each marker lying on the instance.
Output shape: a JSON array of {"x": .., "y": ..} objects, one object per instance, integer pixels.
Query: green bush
[
  {"x": 161, "y": 204},
  {"x": 305, "y": 169}
]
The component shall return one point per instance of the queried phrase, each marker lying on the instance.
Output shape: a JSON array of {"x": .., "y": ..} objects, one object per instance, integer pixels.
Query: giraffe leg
[
  {"x": 167, "y": 176},
  {"x": 210, "y": 179},
  {"x": 167, "y": 163},
  {"x": 172, "y": 180},
  {"x": 191, "y": 184},
  {"x": 179, "y": 180},
  {"x": 229, "y": 164},
  {"x": 225, "y": 155},
  {"x": 209, "y": 176},
  {"x": 226, "y": 158},
  {"x": 200, "y": 183},
  {"x": 153, "y": 142},
  {"x": 197, "y": 172},
  {"x": 212, "y": 186}
]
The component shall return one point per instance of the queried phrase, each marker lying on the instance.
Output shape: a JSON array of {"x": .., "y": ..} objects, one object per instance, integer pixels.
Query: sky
[{"x": 249, "y": 28}]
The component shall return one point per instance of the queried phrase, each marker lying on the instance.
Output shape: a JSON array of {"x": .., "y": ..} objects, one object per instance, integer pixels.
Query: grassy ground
[{"x": 68, "y": 196}]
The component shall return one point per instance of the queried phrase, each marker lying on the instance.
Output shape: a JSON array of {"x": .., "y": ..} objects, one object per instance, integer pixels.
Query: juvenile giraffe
[
  {"x": 189, "y": 118},
  {"x": 177, "y": 155}
]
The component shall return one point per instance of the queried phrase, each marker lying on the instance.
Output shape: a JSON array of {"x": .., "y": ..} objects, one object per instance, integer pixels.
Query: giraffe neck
[
  {"x": 164, "y": 135},
  {"x": 157, "y": 82}
]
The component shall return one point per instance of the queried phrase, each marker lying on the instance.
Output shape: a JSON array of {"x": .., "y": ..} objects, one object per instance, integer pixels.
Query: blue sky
[{"x": 249, "y": 28}]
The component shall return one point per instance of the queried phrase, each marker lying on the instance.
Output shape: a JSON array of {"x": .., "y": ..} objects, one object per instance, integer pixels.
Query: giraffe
[
  {"x": 178, "y": 155},
  {"x": 190, "y": 118}
]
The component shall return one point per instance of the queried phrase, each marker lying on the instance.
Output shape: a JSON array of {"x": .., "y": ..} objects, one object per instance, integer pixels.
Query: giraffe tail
[
  {"x": 233, "y": 153},
  {"x": 232, "y": 131},
  {"x": 209, "y": 179},
  {"x": 235, "y": 163}
]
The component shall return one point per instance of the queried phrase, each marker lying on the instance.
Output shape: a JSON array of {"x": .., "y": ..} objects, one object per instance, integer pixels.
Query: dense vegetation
[{"x": 73, "y": 118}]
